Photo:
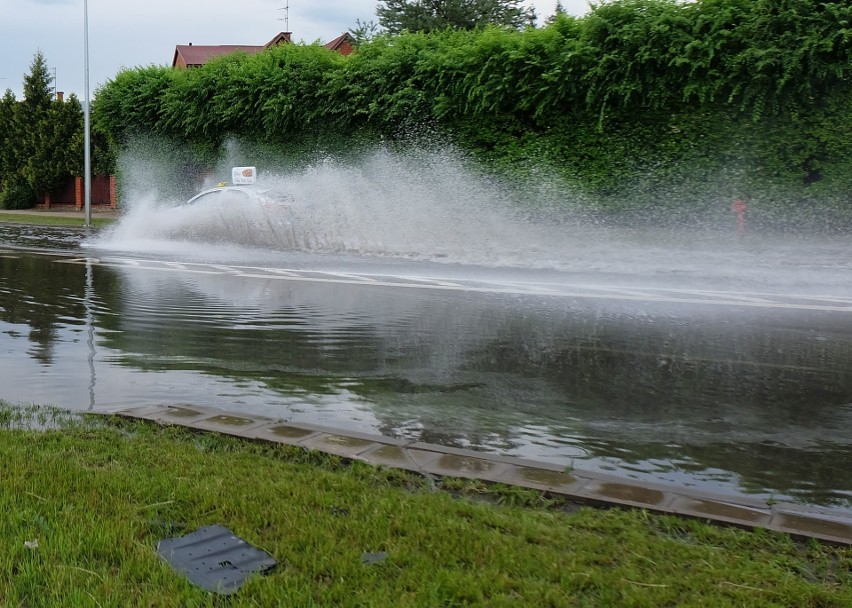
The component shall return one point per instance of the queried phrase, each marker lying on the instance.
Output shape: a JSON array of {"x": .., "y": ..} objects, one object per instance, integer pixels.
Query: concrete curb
[
  {"x": 60, "y": 212},
  {"x": 801, "y": 521}
]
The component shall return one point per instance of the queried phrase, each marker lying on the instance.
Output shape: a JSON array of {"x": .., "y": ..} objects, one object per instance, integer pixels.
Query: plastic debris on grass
[{"x": 215, "y": 559}]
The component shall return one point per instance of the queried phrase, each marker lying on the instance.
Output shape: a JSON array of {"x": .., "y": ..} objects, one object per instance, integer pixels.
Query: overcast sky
[{"x": 130, "y": 34}]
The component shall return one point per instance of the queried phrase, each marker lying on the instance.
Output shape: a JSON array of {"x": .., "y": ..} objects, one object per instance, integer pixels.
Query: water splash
[
  {"x": 420, "y": 205},
  {"x": 436, "y": 206}
]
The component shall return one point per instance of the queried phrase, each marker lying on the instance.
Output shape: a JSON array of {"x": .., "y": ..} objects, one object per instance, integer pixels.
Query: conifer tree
[
  {"x": 364, "y": 31},
  {"x": 8, "y": 108},
  {"x": 32, "y": 124},
  {"x": 397, "y": 16},
  {"x": 46, "y": 133},
  {"x": 558, "y": 11}
]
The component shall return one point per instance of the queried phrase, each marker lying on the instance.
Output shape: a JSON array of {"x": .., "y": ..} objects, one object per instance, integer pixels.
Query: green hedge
[
  {"x": 672, "y": 106},
  {"x": 18, "y": 196}
]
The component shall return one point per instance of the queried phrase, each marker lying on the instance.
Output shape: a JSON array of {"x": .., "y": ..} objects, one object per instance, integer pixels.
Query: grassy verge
[
  {"x": 48, "y": 219},
  {"x": 96, "y": 495}
]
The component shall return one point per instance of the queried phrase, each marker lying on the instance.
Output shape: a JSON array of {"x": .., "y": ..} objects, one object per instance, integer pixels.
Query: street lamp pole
[{"x": 87, "y": 151}]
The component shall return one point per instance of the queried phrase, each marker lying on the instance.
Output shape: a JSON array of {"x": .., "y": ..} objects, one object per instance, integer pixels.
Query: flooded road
[{"x": 695, "y": 375}]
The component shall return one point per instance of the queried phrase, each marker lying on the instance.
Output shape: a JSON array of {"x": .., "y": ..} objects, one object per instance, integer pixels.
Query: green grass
[
  {"x": 97, "y": 494},
  {"x": 45, "y": 218}
]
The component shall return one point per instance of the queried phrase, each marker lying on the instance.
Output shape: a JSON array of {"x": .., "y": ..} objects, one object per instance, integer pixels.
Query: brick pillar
[
  {"x": 78, "y": 193},
  {"x": 113, "y": 192},
  {"x": 47, "y": 200}
]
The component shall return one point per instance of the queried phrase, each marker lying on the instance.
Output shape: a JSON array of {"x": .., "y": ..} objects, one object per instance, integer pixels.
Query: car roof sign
[{"x": 243, "y": 175}]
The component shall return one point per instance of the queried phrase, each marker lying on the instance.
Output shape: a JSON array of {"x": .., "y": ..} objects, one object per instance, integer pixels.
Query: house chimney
[{"x": 59, "y": 95}]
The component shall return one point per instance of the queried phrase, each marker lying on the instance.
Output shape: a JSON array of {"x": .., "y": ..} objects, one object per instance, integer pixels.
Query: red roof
[
  {"x": 279, "y": 38},
  {"x": 342, "y": 44},
  {"x": 189, "y": 55},
  {"x": 192, "y": 55}
]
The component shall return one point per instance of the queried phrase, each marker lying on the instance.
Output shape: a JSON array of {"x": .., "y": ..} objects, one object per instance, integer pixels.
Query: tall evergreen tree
[
  {"x": 33, "y": 124},
  {"x": 364, "y": 31},
  {"x": 8, "y": 109},
  {"x": 397, "y": 16},
  {"x": 46, "y": 132},
  {"x": 37, "y": 90},
  {"x": 558, "y": 11},
  {"x": 65, "y": 141}
]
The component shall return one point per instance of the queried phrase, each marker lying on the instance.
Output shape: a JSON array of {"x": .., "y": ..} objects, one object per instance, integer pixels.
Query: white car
[
  {"x": 241, "y": 190},
  {"x": 245, "y": 214},
  {"x": 236, "y": 194}
]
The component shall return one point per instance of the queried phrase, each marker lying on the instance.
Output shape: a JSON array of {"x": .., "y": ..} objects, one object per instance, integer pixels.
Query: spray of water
[
  {"x": 420, "y": 204},
  {"x": 435, "y": 205}
]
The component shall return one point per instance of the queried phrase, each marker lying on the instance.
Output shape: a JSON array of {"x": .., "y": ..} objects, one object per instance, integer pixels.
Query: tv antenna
[{"x": 286, "y": 19}]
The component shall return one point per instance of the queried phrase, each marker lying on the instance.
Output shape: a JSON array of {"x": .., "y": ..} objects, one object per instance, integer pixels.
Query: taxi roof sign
[{"x": 243, "y": 175}]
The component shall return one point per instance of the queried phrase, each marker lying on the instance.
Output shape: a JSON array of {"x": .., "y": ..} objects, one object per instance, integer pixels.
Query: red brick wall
[
  {"x": 345, "y": 48},
  {"x": 71, "y": 193},
  {"x": 78, "y": 192},
  {"x": 113, "y": 192}
]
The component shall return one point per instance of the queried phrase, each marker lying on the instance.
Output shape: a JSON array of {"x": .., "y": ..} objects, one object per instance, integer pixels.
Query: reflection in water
[
  {"x": 90, "y": 331},
  {"x": 755, "y": 399}
]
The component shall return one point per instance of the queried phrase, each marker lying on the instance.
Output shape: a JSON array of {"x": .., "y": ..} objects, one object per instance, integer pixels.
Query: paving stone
[
  {"x": 453, "y": 465},
  {"x": 184, "y": 415},
  {"x": 804, "y": 525},
  {"x": 144, "y": 412},
  {"x": 625, "y": 494},
  {"x": 422, "y": 458},
  {"x": 603, "y": 477},
  {"x": 283, "y": 433},
  {"x": 541, "y": 479},
  {"x": 719, "y": 511},
  {"x": 432, "y": 447},
  {"x": 341, "y": 445},
  {"x": 739, "y": 500},
  {"x": 117, "y": 410},
  {"x": 391, "y": 456},
  {"x": 239, "y": 426},
  {"x": 181, "y": 411},
  {"x": 318, "y": 428}
]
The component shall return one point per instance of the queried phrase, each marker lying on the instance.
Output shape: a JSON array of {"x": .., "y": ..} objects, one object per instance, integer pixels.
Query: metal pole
[
  {"x": 90, "y": 325},
  {"x": 87, "y": 152}
]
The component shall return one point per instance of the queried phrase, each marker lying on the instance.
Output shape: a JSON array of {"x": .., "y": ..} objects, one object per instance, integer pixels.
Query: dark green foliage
[
  {"x": 59, "y": 150},
  {"x": 41, "y": 139},
  {"x": 132, "y": 102},
  {"x": 398, "y": 16},
  {"x": 31, "y": 120},
  {"x": 18, "y": 196},
  {"x": 8, "y": 105},
  {"x": 379, "y": 86},
  {"x": 558, "y": 11},
  {"x": 268, "y": 96},
  {"x": 678, "y": 106},
  {"x": 798, "y": 50},
  {"x": 364, "y": 31},
  {"x": 37, "y": 89}
]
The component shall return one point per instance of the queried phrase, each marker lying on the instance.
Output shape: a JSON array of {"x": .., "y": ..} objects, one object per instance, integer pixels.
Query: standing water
[{"x": 409, "y": 297}]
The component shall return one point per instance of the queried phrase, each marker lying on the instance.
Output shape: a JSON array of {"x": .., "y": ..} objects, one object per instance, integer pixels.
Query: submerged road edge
[{"x": 585, "y": 487}]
